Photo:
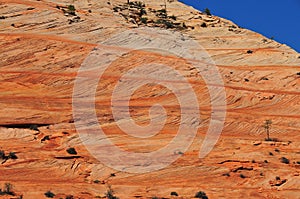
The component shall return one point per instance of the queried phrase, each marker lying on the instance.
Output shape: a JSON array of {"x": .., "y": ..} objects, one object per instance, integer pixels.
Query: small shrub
[
  {"x": 284, "y": 160},
  {"x": 34, "y": 127},
  {"x": 201, "y": 194},
  {"x": 162, "y": 11},
  {"x": 110, "y": 194},
  {"x": 271, "y": 140},
  {"x": 115, "y": 9},
  {"x": 173, "y": 193},
  {"x": 203, "y": 25},
  {"x": 2, "y": 154},
  {"x": 270, "y": 153},
  {"x": 12, "y": 155},
  {"x": 207, "y": 11},
  {"x": 298, "y": 72},
  {"x": 96, "y": 181},
  {"x": 7, "y": 190},
  {"x": 277, "y": 150},
  {"x": 71, "y": 8},
  {"x": 277, "y": 178},
  {"x": 144, "y": 20},
  {"x": 69, "y": 197},
  {"x": 47, "y": 137},
  {"x": 137, "y": 4},
  {"x": 72, "y": 151},
  {"x": 142, "y": 12},
  {"x": 49, "y": 194},
  {"x": 249, "y": 51},
  {"x": 242, "y": 176},
  {"x": 173, "y": 17}
]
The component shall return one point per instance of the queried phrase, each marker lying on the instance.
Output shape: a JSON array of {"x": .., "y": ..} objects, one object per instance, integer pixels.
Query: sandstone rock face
[{"x": 42, "y": 47}]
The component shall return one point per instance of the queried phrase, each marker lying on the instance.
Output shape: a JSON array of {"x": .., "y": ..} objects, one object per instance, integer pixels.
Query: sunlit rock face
[{"x": 45, "y": 45}]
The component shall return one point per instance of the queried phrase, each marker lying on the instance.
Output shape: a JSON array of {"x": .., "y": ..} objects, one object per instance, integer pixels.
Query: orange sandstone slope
[{"x": 43, "y": 45}]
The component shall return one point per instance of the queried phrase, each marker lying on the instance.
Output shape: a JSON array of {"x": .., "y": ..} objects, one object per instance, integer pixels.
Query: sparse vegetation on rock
[
  {"x": 69, "y": 197},
  {"x": 49, "y": 194},
  {"x": 267, "y": 126},
  {"x": 11, "y": 155},
  {"x": 72, "y": 151},
  {"x": 34, "y": 127},
  {"x": 207, "y": 11},
  {"x": 173, "y": 193},
  {"x": 7, "y": 190},
  {"x": 284, "y": 160},
  {"x": 135, "y": 12},
  {"x": 69, "y": 10},
  {"x": 201, "y": 195},
  {"x": 203, "y": 25},
  {"x": 110, "y": 194},
  {"x": 47, "y": 137}
]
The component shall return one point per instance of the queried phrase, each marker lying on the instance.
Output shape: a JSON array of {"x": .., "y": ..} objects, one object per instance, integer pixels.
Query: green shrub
[
  {"x": 207, "y": 11},
  {"x": 242, "y": 176},
  {"x": 167, "y": 24},
  {"x": 12, "y": 155},
  {"x": 284, "y": 160},
  {"x": 203, "y": 25},
  {"x": 201, "y": 194},
  {"x": 7, "y": 190},
  {"x": 71, "y": 10},
  {"x": 2, "y": 154},
  {"x": 173, "y": 193},
  {"x": 69, "y": 197},
  {"x": 173, "y": 17},
  {"x": 47, "y": 137},
  {"x": 72, "y": 151},
  {"x": 144, "y": 20},
  {"x": 49, "y": 194},
  {"x": 110, "y": 194},
  {"x": 34, "y": 127}
]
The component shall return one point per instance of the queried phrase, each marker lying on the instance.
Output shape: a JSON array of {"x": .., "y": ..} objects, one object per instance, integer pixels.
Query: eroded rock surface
[{"x": 42, "y": 46}]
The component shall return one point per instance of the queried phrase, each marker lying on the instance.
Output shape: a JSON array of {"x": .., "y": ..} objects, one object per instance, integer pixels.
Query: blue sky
[{"x": 272, "y": 18}]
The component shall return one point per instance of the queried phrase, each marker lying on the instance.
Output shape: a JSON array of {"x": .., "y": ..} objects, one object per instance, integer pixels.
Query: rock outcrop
[{"x": 44, "y": 43}]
